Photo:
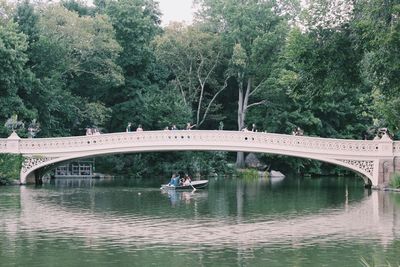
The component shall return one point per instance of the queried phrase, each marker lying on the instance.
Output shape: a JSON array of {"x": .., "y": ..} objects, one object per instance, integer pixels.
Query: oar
[{"x": 194, "y": 189}]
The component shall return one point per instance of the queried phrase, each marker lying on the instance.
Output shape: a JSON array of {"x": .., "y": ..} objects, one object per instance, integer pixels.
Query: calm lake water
[{"x": 235, "y": 222}]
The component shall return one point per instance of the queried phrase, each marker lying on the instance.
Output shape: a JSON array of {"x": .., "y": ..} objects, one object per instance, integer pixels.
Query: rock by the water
[
  {"x": 276, "y": 174},
  {"x": 252, "y": 161}
]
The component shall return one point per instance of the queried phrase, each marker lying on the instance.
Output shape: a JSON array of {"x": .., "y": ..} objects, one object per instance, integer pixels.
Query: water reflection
[
  {"x": 74, "y": 182},
  {"x": 177, "y": 197},
  {"x": 233, "y": 219},
  {"x": 372, "y": 216},
  {"x": 276, "y": 181}
]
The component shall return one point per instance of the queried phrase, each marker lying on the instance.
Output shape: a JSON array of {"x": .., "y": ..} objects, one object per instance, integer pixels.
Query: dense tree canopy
[
  {"x": 377, "y": 29},
  {"x": 329, "y": 67},
  {"x": 14, "y": 76},
  {"x": 194, "y": 59}
]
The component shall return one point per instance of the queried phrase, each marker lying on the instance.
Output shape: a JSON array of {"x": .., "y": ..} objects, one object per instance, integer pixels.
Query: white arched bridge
[{"x": 374, "y": 160}]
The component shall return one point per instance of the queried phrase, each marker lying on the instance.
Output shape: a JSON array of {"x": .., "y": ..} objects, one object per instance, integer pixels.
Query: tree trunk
[
  {"x": 240, "y": 160},
  {"x": 242, "y": 109}
]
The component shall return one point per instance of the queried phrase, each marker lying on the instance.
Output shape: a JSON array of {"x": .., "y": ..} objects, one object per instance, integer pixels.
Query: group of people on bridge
[
  {"x": 189, "y": 126},
  {"x": 92, "y": 131},
  {"x": 138, "y": 129}
]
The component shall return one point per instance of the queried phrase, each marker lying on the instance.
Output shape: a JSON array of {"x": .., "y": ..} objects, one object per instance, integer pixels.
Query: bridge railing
[
  {"x": 3, "y": 145},
  {"x": 213, "y": 137},
  {"x": 396, "y": 148}
]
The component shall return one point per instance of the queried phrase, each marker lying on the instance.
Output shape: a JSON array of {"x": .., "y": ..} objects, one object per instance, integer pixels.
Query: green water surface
[{"x": 259, "y": 222}]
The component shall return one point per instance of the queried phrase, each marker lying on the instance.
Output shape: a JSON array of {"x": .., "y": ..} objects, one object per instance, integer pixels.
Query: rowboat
[{"x": 194, "y": 184}]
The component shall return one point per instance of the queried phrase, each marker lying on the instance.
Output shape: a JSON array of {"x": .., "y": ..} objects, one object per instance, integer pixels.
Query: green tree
[
  {"x": 194, "y": 58},
  {"x": 79, "y": 7},
  {"x": 328, "y": 83},
  {"x": 10, "y": 167},
  {"x": 377, "y": 32},
  {"x": 27, "y": 19},
  {"x": 87, "y": 51},
  {"x": 136, "y": 23},
  {"x": 95, "y": 114},
  {"x": 74, "y": 60},
  {"x": 14, "y": 76},
  {"x": 163, "y": 108},
  {"x": 317, "y": 84},
  {"x": 319, "y": 15},
  {"x": 255, "y": 33}
]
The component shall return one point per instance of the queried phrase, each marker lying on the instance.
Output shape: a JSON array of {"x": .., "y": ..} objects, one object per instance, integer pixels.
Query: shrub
[
  {"x": 10, "y": 167},
  {"x": 249, "y": 174},
  {"x": 395, "y": 180}
]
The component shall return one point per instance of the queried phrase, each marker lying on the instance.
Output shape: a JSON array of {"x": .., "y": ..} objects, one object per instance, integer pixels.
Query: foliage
[
  {"x": 395, "y": 180},
  {"x": 79, "y": 7},
  {"x": 248, "y": 174},
  {"x": 74, "y": 62},
  {"x": 85, "y": 48},
  {"x": 165, "y": 163},
  {"x": 193, "y": 57},
  {"x": 163, "y": 108},
  {"x": 10, "y": 166},
  {"x": 323, "y": 14},
  {"x": 13, "y": 73},
  {"x": 328, "y": 67},
  {"x": 95, "y": 114},
  {"x": 27, "y": 19},
  {"x": 253, "y": 33},
  {"x": 136, "y": 23},
  {"x": 378, "y": 27}
]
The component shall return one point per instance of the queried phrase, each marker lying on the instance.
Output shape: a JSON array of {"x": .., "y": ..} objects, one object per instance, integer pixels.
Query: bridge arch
[
  {"x": 45, "y": 162},
  {"x": 360, "y": 156}
]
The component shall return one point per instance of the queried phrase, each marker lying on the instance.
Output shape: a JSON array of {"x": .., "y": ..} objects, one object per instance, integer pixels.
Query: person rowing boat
[
  {"x": 187, "y": 180},
  {"x": 187, "y": 183},
  {"x": 174, "y": 180}
]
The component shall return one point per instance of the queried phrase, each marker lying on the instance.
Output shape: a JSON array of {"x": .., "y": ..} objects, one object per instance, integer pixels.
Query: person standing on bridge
[
  {"x": 189, "y": 126},
  {"x": 88, "y": 131},
  {"x": 299, "y": 131},
  {"x": 139, "y": 128},
  {"x": 221, "y": 126},
  {"x": 128, "y": 128},
  {"x": 95, "y": 131}
]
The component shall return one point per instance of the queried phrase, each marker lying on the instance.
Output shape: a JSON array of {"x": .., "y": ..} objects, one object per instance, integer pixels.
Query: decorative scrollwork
[
  {"x": 365, "y": 165},
  {"x": 31, "y": 162},
  {"x": 299, "y": 143},
  {"x": 396, "y": 147}
]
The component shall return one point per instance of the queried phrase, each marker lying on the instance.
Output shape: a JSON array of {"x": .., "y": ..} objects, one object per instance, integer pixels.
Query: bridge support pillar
[
  {"x": 29, "y": 179},
  {"x": 386, "y": 162},
  {"x": 396, "y": 163},
  {"x": 32, "y": 178},
  {"x": 386, "y": 169}
]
